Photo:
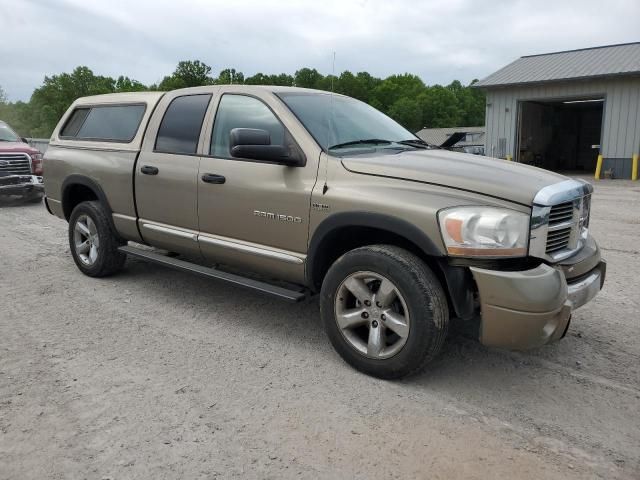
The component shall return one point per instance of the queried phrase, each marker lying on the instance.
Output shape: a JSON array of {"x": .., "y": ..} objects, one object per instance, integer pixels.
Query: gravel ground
[{"x": 158, "y": 374}]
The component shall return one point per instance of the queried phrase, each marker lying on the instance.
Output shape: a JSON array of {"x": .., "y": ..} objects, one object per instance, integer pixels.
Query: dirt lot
[{"x": 157, "y": 374}]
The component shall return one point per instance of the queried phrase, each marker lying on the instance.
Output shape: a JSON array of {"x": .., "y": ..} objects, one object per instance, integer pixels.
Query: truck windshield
[
  {"x": 337, "y": 122},
  {"x": 8, "y": 135}
]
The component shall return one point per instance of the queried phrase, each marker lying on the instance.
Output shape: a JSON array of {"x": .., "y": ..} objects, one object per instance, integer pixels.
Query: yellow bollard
[
  {"x": 509, "y": 157},
  {"x": 634, "y": 167},
  {"x": 598, "y": 168}
]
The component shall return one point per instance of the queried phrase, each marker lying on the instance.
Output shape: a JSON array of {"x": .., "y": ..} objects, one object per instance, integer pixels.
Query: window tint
[
  {"x": 74, "y": 123},
  {"x": 117, "y": 123},
  {"x": 241, "y": 111},
  {"x": 180, "y": 128}
]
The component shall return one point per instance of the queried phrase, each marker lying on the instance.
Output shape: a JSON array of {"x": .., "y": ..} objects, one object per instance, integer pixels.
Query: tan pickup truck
[{"x": 293, "y": 192}]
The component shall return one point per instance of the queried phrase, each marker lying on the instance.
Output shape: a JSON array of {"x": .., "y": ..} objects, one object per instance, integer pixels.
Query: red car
[{"x": 20, "y": 167}]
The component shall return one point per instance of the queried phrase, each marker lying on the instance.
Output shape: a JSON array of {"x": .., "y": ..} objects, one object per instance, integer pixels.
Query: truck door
[
  {"x": 254, "y": 214},
  {"x": 166, "y": 176}
]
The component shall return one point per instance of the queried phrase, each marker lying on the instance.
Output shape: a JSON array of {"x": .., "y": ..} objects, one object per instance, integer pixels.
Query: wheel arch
[
  {"x": 80, "y": 188},
  {"x": 345, "y": 231}
]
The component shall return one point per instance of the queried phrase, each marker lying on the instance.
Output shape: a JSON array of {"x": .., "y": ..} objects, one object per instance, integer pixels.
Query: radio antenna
[{"x": 329, "y": 125}]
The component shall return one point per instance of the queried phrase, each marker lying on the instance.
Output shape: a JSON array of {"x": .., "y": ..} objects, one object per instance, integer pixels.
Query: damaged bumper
[
  {"x": 527, "y": 309},
  {"x": 21, "y": 185}
]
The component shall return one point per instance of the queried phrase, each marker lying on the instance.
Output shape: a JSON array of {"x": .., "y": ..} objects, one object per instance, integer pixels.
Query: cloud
[{"x": 437, "y": 40}]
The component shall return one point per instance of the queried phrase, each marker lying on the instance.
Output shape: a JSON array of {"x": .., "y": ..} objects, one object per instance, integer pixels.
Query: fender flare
[
  {"x": 379, "y": 221},
  {"x": 89, "y": 183}
]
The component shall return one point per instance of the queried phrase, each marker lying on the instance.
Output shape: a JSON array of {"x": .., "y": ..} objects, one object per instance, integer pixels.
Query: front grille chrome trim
[
  {"x": 15, "y": 163},
  {"x": 558, "y": 223}
]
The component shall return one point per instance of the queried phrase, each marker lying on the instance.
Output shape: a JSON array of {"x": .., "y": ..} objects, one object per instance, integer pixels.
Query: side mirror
[
  {"x": 255, "y": 144},
  {"x": 24, "y": 140}
]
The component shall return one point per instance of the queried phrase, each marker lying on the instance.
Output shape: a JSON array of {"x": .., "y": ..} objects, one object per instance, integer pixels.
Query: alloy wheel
[
  {"x": 86, "y": 240},
  {"x": 372, "y": 315}
]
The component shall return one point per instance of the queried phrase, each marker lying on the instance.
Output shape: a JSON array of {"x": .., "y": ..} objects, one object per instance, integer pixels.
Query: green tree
[
  {"x": 406, "y": 112},
  {"x": 472, "y": 106},
  {"x": 49, "y": 102},
  {"x": 308, "y": 78},
  {"x": 189, "y": 73},
  {"x": 230, "y": 76},
  {"x": 126, "y": 84},
  {"x": 404, "y": 97},
  {"x": 439, "y": 107}
]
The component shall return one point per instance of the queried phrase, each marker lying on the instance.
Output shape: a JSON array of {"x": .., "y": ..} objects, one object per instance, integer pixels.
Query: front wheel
[
  {"x": 384, "y": 311},
  {"x": 94, "y": 244}
]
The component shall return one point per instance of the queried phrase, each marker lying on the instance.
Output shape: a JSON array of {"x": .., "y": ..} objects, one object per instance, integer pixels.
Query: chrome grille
[
  {"x": 559, "y": 239},
  {"x": 561, "y": 226},
  {"x": 15, "y": 163},
  {"x": 561, "y": 213},
  {"x": 559, "y": 220}
]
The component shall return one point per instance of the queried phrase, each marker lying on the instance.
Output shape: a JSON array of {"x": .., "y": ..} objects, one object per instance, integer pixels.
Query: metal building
[{"x": 561, "y": 110}]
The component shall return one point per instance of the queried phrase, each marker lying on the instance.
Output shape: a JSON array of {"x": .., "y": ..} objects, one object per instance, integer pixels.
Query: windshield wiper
[
  {"x": 416, "y": 143},
  {"x": 374, "y": 141}
]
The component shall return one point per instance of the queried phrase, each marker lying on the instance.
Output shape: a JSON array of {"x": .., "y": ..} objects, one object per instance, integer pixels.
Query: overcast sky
[{"x": 438, "y": 40}]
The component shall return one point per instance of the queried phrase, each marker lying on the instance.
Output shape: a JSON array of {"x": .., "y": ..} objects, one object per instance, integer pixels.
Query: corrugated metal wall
[{"x": 621, "y": 122}]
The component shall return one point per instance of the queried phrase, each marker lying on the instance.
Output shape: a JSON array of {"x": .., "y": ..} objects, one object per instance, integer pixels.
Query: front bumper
[
  {"x": 527, "y": 309},
  {"x": 21, "y": 184}
]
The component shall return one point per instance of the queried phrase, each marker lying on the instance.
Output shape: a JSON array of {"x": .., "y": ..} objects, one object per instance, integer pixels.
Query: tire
[
  {"x": 93, "y": 242},
  {"x": 388, "y": 345}
]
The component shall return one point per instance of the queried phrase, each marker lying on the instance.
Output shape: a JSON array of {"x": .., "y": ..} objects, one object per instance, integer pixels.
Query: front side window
[
  {"x": 180, "y": 128},
  {"x": 241, "y": 111},
  {"x": 111, "y": 123}
]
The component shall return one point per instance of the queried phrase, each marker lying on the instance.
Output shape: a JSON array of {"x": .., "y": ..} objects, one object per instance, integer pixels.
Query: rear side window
[
  {"x": 107, "y": 123},
  {"x": 72, "y": 127},
  {"x": 180, "y": 128}
]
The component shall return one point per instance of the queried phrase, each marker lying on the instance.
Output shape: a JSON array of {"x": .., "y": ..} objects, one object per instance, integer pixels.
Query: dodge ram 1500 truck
[{"x": 292, "y": 192}]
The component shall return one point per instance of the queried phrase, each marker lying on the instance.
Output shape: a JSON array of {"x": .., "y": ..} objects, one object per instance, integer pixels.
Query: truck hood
[
  {"x": 503, "y": 179},
  {"x": 16, "y": 147}
]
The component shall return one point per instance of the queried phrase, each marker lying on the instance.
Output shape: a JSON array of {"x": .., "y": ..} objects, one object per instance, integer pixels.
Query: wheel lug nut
[
  {"x": 378, "y": 304},
  {"x": 383, "y": 317},
  {"x": 374, "y": 324},
  {"x": 367, "y": 303},
  {"x": 365, "y": 315}
]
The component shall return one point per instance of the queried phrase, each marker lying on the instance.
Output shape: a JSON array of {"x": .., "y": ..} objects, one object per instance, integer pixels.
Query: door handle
[
  {"x": 213, "y": 178},
  {"x": 149, "y": 170}
]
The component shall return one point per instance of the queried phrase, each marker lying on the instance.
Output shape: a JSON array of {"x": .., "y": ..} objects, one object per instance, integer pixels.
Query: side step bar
[{"x": 250, "y": 283}]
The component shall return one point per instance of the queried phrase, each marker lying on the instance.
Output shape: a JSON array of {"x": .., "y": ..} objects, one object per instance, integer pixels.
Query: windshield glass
[
  {"x": 344, "y": 122},
  {"x": 8, "y": 135}
]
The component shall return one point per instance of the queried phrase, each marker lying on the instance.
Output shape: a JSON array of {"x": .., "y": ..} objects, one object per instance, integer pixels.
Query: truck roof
[
  {"x": 146, "y": 97},
  {"x": 153, "y": 97}
]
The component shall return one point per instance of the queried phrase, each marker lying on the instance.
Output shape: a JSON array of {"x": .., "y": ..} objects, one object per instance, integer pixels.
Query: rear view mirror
[{"x": 255, "y": 144}]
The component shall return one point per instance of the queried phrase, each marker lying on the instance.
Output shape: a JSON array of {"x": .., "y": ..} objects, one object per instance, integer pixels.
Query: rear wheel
[
  {"x": 94, "y": 244},
  {"x": 384, "y": 311}
]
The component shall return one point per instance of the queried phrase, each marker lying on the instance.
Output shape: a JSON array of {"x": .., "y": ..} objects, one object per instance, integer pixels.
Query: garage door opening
[{"x": 563, "y": 136}]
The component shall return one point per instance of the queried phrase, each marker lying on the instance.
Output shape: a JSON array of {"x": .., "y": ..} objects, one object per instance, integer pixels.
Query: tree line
[{"x": 403, "y": 97}]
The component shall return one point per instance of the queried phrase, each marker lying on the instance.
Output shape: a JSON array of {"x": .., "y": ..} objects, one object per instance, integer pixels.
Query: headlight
[{"x": 484, "y": 232}]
